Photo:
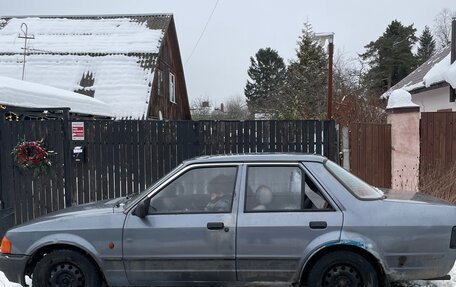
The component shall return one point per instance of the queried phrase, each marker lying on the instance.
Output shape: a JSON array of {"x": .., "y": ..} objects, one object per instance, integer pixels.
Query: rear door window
[{"x": 282, "y": 188}]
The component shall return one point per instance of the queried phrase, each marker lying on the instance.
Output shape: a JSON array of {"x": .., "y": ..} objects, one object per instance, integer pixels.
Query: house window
[
  {"x": 160, "y": 82},
  {"x": 172, "y": 87}
]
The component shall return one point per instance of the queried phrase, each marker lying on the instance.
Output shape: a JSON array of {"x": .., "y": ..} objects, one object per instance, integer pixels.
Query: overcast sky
[{"x": 218, "y": 67}]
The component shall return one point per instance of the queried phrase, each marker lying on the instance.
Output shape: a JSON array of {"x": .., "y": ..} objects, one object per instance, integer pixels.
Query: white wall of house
[{"x": 434, "y": 100}]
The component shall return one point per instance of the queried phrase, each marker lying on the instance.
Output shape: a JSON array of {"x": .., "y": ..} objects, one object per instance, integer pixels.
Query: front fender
[{"x": 66, "y": 239}]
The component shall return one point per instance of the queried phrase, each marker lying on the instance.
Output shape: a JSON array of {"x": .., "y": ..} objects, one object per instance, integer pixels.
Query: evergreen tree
[
  {"x": 390, "y": 57},
  {"x": 267, "y": 74},
  {"x": 305, "y": 96},
  {"x": 426, "y": 46}
]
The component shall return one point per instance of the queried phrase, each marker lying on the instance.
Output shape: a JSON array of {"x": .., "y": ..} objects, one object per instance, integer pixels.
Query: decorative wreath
[{"x": 32, "y": 155}]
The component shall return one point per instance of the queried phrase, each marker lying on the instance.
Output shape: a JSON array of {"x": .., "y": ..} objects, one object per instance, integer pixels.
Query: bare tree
[
  {"x": 442, "y": 27},
  {"x": 352, "y": 101},
  {"x": 201, "y": 108},
  {"x": 234, "y": 109}
]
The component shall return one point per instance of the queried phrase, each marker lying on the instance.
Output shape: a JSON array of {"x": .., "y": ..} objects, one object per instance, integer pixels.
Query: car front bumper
[{"x": 13, "y": 267}]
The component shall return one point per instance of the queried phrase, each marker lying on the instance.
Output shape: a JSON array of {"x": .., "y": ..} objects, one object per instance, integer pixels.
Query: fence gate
[
  {"x": 438, "y": 154},
  {"x": 29, "y": 195},
  {"x": 370, "y": 153}
]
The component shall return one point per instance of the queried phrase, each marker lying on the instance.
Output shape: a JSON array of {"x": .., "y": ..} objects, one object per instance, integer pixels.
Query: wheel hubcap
[
  {"x": 66, "y": 275},
  {"x": 342, "y": 276}
]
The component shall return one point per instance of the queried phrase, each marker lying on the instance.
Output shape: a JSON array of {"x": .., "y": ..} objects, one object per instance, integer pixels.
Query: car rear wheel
[
  {"x": 342, "y": 269},
  {"x": 65, "y": 268}
]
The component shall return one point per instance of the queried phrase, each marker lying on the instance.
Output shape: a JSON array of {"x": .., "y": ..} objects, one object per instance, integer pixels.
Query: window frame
[
  {"x": 353, "y": 193},
  {"x": 172, "y": 88},
  {"x": 183, "y": 172},
  {"x": 304, "y": 172}
]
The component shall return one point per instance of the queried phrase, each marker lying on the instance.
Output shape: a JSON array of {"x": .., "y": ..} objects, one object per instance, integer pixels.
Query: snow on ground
[{"x": 451, "y": 283}]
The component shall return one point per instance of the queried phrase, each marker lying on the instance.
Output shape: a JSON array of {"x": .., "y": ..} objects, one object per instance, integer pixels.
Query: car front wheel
[
  {"x": 65, "y": 268},
  {"x": 342, "y": 269}
]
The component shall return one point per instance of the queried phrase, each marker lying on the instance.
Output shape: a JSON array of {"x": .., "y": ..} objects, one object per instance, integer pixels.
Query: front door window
[{"x": 200, "y": 190}]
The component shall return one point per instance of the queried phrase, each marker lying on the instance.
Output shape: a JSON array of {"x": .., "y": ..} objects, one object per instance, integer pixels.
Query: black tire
[
  {"x": 342, "y": 268},
  {"x": 65, "y": 268}
]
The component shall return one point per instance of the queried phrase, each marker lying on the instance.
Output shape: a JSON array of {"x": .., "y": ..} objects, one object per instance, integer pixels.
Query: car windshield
[{"x": 358, "y": 187}]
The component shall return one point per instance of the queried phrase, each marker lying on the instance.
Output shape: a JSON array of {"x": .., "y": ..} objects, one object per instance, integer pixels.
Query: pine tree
[
  {"x": 390, "y": 57},
  {"x": 426, "y": 46},
  {"x": 267, "y": 74},
  {"x": 305, "y": 96}
]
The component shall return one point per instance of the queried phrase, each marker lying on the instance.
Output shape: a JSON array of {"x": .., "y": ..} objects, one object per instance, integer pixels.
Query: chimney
[{"x": 453, "y": 55}]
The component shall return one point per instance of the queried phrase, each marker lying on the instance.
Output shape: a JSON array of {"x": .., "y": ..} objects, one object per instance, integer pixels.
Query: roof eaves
[
  {"x": 90, "y": 15},
  {"x": 435, "y": 86}
]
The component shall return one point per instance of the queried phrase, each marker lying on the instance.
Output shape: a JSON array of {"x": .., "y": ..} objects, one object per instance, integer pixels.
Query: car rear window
[{"x": 356, "y": 186}]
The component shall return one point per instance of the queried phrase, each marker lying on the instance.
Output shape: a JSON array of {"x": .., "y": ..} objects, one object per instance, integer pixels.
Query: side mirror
[{"x": 142, "y": 209}]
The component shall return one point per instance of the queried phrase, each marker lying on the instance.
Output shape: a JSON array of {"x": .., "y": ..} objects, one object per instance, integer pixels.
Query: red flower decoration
[{"x": 32, "y": 155}]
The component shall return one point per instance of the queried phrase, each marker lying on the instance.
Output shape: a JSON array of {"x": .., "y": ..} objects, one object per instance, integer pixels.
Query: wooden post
[
  {"x": 67, "y": 157},
  {"x": 453, "y": 56},
  {"x": 2, "y": 187}
]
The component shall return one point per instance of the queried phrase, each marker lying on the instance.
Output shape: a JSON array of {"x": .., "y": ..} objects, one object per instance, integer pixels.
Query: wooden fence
[
  {"x": 370, "y": 153},
  {"x": 32, "y": 196},
  {"x": 124, "y": 157},
  {"x": 438, "y": 142}
]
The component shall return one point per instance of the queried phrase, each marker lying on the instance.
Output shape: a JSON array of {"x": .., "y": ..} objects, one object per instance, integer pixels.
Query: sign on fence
[{"x": 77, "y": 131}]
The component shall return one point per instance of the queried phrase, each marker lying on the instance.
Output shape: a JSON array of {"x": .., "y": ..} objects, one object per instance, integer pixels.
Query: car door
[
  {"x": 189, "y": 233},
  {"x": 282, "y": 211}
]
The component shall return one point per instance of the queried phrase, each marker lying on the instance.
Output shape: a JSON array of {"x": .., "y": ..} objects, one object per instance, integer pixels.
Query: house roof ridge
[{"x": 114, "y": 15}]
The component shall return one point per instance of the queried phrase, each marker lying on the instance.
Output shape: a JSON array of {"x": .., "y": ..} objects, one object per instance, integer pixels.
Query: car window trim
[
  {"x": 346, "y": 187},
  {"x": 203, "y": 212},
  {"x": 178, "y": 173},
  {"x": 289, "y": 164}
]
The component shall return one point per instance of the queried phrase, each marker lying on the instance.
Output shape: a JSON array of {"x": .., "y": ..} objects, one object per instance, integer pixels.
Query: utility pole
[
  {"x": 323, "y": 37},
  {"x": 25, "y": 36},
  {"x": 330, "y": 78}
]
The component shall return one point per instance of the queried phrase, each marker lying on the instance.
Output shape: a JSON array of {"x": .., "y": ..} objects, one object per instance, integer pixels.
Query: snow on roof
[
  {"x": 119, "y": 80},
  {"x": 416, "y": 79},
  {"x": 119, "y": 54},
  {"x": 63, "y": 35},
  {"x": 400, "y": 99},
  {"x": 437, "y": 73},
  {"x": 19, "y": 93}
]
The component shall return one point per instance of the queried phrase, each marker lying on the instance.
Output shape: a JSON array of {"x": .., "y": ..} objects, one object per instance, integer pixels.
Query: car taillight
[
  {"x": 6, "y": 246},
  {"x": 453, "y": 238}
]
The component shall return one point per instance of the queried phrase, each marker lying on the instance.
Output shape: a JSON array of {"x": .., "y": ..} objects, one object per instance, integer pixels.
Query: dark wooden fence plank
[
  {"x": 438, "y": 144},
  {"x": 370, "y": 153}
]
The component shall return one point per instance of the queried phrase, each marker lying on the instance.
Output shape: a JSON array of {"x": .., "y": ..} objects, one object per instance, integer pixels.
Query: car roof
[{"x": 257, "y": 157}]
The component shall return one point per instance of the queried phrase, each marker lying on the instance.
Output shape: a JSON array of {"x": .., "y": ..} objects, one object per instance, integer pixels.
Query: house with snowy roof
[
  {"x": 130, "y": 62},
  {"x": 431, "y": 84}
]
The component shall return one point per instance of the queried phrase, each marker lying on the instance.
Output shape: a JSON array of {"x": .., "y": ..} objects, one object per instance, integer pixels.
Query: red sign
[{"x": 77, "y": 131}]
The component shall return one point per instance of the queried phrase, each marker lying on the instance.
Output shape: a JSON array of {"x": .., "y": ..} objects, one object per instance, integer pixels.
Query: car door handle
[
  {"x": 318, "y": 224},
  {"x": 215, "y": 225}
]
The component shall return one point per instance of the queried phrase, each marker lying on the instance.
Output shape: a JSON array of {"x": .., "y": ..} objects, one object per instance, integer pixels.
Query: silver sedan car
[{"x": 232, "y": 220}]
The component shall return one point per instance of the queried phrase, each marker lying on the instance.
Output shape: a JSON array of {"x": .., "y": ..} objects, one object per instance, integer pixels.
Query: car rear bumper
[{"x": 13, "y": 267}]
